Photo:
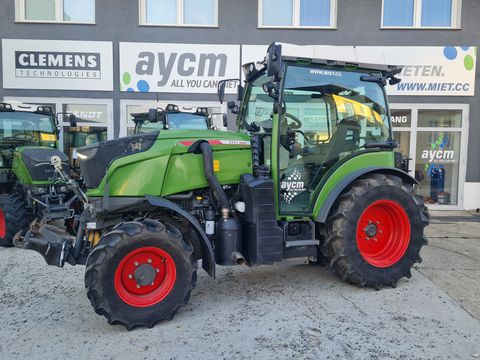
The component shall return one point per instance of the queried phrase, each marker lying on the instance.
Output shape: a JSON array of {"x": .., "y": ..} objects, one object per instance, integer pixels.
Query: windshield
[
  {"x": 257, "y": 109},
  {"x": 180, "y": 121},
  {"x": 25, "y": 128},
  {"x": 176, "y": 121}
]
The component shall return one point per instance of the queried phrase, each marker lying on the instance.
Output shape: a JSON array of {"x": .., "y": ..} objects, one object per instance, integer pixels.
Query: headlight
[{"x": 87, "y": 152}]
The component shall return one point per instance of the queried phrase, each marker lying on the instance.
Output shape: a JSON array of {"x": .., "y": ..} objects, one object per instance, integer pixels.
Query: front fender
[
  {"x": 208, "y": 256},
  {"x": 322, "y": 215}
]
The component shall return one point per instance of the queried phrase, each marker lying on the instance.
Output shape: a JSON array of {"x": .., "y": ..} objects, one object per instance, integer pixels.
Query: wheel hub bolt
[
  {"x": 130, "y": 276},
  {"x": 138, "y": 286},
  {"x": 135, "y": 263},
  {"x": 158, "y": 270},
  {"x": 149, "y": 261}
]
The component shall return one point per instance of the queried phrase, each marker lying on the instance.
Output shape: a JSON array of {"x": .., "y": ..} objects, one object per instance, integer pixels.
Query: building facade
[{"x": 104, "y": 60}]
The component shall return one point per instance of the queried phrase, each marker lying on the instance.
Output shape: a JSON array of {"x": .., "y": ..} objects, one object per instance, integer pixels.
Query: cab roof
[
  {"x": 318, "y": 55},
  {"x": 19, "y": 106}
]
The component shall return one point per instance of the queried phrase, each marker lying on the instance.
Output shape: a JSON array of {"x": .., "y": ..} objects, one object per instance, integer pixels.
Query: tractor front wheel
[
  {"x": 375, "y": 231},
  {"x": 13, "y": 217},
  {"x": 140, "y": 273}
]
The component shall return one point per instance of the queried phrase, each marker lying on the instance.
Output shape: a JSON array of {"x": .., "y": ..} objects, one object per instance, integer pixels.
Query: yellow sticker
[
  {"x": 216, "y": 165},
  {"x": 47, "y": 137}
]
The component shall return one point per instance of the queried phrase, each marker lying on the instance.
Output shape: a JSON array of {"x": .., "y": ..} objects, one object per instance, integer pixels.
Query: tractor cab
[
  {"x": 310, "y": 116},
  {"x": 171, "y": 118},
  {"x": 23, "y": 124}
]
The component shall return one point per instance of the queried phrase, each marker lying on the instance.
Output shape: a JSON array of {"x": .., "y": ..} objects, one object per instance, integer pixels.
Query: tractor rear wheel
[
  {"x": 140, "y": 273},
  {"x": 13, "y": 217},
  {"x": 375, "y": 231}
]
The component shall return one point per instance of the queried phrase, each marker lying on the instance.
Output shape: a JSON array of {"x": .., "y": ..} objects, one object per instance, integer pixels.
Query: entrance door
[{"x": 437, "y": 143}]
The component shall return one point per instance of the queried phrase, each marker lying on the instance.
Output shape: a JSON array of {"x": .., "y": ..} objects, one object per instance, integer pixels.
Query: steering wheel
[{"x": 297, "y": 124}]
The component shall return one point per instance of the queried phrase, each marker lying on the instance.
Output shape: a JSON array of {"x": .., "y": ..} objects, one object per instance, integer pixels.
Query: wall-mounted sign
[
  {"x": 87, "y": 113},
  {"x": 428, "y": 70},
  {"x": 57, "y": 65},
  {"x": 177, "y": 68},
  {"x": 401, "y": 117}
]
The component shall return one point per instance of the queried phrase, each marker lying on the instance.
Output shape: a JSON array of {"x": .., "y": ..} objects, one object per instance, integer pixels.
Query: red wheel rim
[
  {"x": 3, "y": 225},
  {"x": 147, "y": 264},
  {"x": 383, "y": 233}
]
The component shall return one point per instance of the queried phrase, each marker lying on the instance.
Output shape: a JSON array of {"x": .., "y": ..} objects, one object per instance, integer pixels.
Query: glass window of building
[
  {"x": 59, "y": 11},
  {"x": 421, "y": 14},
  {"x": 91, "y": 126},
  {"x": 179, "y": 12},
  {"x": 297, "y": 13},
  {"x": 433, "y": 143}
]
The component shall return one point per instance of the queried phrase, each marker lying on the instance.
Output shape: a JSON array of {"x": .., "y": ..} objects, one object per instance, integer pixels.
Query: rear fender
[
  {"x": 208, "y": 256},
  {"x": 341, "y": 185}
]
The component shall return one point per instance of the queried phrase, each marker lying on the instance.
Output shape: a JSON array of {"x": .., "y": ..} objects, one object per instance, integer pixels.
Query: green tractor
[
  {"x": 172, "y": 118},
  {"x": 29, "y": 185},
  {"x": 312, "y": 174}
]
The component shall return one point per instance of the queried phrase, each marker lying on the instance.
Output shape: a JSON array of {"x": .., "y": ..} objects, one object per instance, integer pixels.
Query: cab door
[{"x": 315, "y": 134}]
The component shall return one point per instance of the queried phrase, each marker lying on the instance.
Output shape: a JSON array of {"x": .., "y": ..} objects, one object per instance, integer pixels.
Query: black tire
[
  {"x": 13, "y": 217},
  {"x": 342, "y": 247},
  {"x": 118, "y": 244}
]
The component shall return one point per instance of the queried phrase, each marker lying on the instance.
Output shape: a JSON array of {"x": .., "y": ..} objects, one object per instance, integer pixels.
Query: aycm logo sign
[{"x": 177, "y": 68}]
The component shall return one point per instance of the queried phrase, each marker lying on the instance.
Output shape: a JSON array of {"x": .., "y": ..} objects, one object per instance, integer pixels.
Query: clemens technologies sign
[{"x": 63, "y": 65}]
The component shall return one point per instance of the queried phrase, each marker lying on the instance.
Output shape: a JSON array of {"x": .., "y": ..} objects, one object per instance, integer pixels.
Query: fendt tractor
[
  {"x": 29, "y": 187},
  {"x": 174, "y": 118},
  {"x": 311, "y": 174}
]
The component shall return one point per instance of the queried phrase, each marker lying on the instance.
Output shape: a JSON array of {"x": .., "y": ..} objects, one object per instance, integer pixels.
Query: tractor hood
[
  {"x": 33, "y": 163},
  {"x": 96, "y": 159}
]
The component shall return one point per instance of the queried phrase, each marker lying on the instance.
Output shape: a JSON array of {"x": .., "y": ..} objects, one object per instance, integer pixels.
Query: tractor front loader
[{"x": 311, "y": 173}]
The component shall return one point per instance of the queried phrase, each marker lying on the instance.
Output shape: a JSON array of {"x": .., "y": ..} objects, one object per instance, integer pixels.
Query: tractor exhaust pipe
[
  {"x": 205, "y": 149},
  {"x": 238, "y": 258}
]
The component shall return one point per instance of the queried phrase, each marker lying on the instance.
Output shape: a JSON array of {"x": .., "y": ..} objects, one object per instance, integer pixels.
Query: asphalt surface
[{"x": 288, "y": 311}]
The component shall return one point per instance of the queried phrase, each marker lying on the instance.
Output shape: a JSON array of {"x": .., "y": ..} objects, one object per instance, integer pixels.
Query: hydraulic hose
[{"x": 215, "y": 186}]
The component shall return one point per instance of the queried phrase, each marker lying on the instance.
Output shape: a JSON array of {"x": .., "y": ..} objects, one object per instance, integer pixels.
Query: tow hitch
[{"x": 54, "y": 246}]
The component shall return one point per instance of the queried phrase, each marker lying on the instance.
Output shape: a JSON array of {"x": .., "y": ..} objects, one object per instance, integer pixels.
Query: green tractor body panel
[
  {"x": 350, "y": 166},
  {"x": 177, "y": 170}
]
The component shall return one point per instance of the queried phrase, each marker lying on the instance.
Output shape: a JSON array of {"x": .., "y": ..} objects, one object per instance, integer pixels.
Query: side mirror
[
  {"x": 224, "y": 120},
  {"x": 233, "y": 107},
  {"x": 72, "y": 119},
  {"x": 221, "y": 90},
  {"x": 222, "y": 84},
  {"x": 274, "y": 60},
  {"x": 58, "y": 128},
  {"x": 240, "y": 93},
  {"x": 152, "y": 115}
]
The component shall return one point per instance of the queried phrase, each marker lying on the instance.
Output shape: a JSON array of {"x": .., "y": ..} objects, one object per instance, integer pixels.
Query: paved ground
[{"x": 267, "y": 312}]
